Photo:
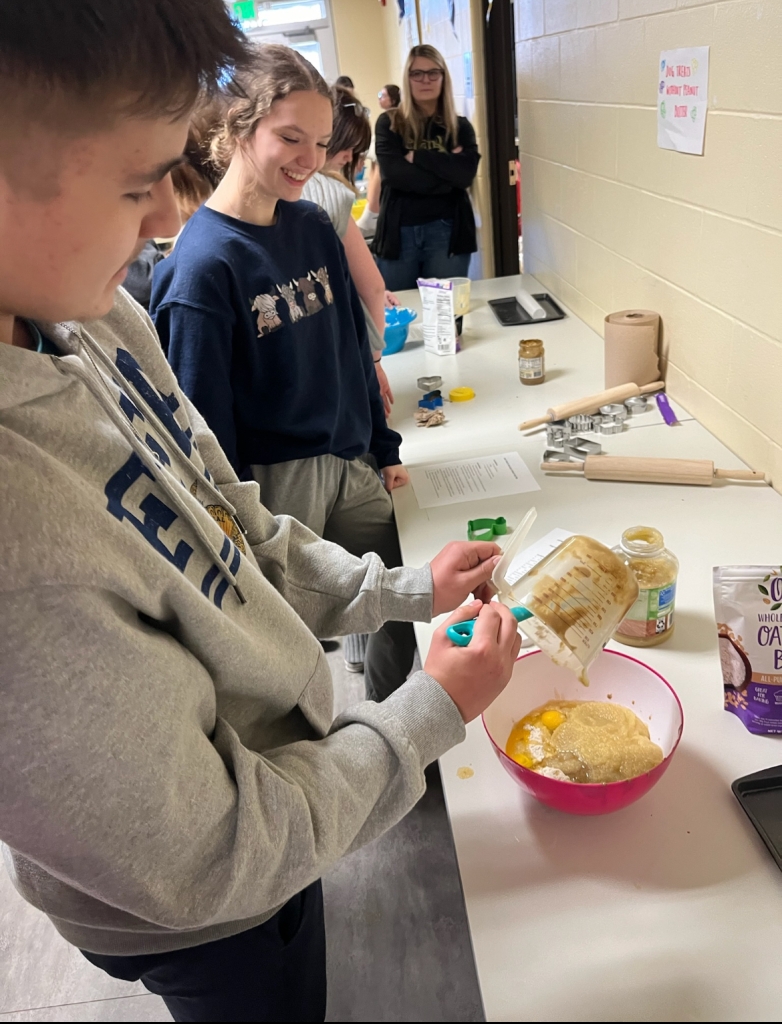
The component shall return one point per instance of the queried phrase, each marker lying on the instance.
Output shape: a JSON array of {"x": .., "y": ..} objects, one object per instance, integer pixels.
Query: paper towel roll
[
  {"x": 631, "y": 339},
  {"x": 527, "y": 302}
]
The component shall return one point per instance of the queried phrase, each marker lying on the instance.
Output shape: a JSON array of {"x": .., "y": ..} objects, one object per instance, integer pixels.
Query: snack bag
[
  {"x": 748, "y": 606},
  {"x": 439, "y": 322}
]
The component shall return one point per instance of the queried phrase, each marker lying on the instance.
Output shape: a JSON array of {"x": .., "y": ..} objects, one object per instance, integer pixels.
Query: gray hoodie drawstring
[{"x": 100, "y": 390}]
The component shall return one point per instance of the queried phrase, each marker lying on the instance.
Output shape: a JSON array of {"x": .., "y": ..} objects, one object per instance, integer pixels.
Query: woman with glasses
[
  {"x": 428, "y": 159},
  {"x": 389, "y": 96}
]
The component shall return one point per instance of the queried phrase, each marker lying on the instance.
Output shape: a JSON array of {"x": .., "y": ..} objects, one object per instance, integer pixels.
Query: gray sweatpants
[{"x": 345, "y": 502}]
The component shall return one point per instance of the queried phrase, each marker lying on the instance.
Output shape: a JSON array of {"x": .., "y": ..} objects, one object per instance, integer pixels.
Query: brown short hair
[
  {"x": 197, "y": 177},
  {"x": 76, "y": 63},
  {"x": 271, "y": 73},
  {"x": 352, "y": 129}
]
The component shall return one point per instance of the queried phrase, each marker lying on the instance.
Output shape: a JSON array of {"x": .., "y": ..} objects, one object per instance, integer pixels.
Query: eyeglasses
[{"x": 432, "y": 75}]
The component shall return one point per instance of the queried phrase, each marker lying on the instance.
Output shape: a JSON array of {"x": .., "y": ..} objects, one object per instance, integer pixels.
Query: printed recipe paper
[{"x": 490, "y": 476}]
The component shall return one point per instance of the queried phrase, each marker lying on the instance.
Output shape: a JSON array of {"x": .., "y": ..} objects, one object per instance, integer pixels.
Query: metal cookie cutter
[
  {"x": 552, "y": 455},
  {"x": 557, "y": 433},
  {"x": 635, "y": 406},
  {"x": 486, "y": 529},
  {"x": 429, "y": 383},
  {"x": 616, "y": 409},
  {"x": 582, "y": 422},
  {"x": 609, "y": 425},
  {"x": 580, "y": 447}
]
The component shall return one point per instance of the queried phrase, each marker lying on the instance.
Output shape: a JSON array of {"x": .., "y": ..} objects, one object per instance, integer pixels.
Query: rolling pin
[
  {"x": 592, "y": 403},
  {"x": 652, "y": 471}
]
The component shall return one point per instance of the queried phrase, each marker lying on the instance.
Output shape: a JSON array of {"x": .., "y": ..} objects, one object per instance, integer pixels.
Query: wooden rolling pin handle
[
  {"x": 529, "y": 424},
  {"x": 592, "y": 403},
  {"x": 563, "y": 467},
  {"x": 740, "y": 474}
]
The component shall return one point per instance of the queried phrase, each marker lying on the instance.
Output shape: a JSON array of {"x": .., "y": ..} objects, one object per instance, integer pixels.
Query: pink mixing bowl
[{"x": 613, "y": 676}]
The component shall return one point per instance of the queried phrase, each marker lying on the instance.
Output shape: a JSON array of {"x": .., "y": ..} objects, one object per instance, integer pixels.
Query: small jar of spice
[
  {"x": 532, "y": 367},
  {"x": 650, "y": 620}
]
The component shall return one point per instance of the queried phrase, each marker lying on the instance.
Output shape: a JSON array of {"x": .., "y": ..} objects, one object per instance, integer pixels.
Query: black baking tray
[
  {"x": 511, "y": 314},
  {"x": 760, "y": 795}
]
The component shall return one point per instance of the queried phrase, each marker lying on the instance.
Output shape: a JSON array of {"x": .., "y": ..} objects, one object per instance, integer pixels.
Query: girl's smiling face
[{"x": 289, "y": 144}]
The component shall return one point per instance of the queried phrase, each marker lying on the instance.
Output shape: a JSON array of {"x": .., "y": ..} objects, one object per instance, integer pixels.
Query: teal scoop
[{"x": 461, "y": 632}]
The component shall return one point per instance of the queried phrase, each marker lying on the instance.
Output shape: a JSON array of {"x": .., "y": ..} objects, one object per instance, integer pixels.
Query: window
[
  {"x": 304, "y": 25},
  {"x": 268, "y": 13}
]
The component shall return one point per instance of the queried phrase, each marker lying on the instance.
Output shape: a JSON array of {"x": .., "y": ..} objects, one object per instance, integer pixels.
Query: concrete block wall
[{"x": 612, "y": 222}]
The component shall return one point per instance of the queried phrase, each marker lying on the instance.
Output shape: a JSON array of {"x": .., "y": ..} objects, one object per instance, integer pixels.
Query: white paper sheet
[
  {"x": 489, "y": 476},
  {"x": 682, "y": 99}
]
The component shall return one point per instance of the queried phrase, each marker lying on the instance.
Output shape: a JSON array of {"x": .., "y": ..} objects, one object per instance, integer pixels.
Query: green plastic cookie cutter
[{"x": 486, "y": 529}]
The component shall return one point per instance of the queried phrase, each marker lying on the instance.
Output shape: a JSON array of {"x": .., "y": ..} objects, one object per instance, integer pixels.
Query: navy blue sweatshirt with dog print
[{"x": 266, "y": 335}]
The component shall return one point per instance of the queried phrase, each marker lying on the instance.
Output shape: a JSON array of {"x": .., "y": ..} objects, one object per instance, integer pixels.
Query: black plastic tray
[
  {"x": 511, "y": 314},
  {"x": 760, "y": 795}
]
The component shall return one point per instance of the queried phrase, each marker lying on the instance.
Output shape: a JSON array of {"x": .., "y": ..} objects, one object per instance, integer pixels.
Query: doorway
[
  {"x": 502, "y": 132},
  {"x": 304, "y": 25}
]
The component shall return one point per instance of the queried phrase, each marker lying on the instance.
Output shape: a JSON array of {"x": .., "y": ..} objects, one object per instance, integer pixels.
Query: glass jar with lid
[
  {"x": 650, "y": 620},
  {"x": 532, "y": 361}
]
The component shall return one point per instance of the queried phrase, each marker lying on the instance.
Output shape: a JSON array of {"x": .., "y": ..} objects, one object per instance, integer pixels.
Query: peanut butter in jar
[
  {"x": 650, "y": 620},
  {"x": 532, "y": 366}
]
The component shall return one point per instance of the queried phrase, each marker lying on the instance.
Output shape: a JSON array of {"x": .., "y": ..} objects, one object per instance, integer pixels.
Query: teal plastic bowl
[{"x": 397, "y": 325}]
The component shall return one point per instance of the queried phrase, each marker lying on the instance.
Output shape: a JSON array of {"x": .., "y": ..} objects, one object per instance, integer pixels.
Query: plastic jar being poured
[
  {"x": 650, "y": 620},
  {"x": 578, "y": 594}
]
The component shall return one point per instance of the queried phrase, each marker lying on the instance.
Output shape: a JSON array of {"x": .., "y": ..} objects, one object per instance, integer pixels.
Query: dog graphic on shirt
[
  {"x": 266, "y": 307},
  {"x": 288, "y": 292}
]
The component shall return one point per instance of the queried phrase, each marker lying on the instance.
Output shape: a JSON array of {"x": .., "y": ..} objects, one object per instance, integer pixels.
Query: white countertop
[{"x": 670, "y": 910}]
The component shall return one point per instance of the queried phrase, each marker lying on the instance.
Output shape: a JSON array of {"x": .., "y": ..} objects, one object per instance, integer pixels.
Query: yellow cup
[
  {"x": 461, "y": 295},
  {"x": 358, "y": 208}
]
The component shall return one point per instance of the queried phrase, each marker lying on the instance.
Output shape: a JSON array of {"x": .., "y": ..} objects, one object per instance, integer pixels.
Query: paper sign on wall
[{"x": 682, "y": 99}]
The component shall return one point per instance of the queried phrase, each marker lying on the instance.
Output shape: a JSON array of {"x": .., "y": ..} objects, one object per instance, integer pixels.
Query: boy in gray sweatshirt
[{"x": 172, "y": 784}]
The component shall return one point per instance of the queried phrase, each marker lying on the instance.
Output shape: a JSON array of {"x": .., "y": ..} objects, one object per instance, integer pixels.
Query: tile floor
[{"x": 399, "y": 948}]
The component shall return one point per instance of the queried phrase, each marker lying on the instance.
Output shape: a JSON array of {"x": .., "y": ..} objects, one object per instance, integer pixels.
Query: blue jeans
[{"x": 423, "y": 253}]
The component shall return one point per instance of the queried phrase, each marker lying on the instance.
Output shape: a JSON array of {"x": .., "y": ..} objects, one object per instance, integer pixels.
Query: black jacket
[{"x": 445, "y": 175}]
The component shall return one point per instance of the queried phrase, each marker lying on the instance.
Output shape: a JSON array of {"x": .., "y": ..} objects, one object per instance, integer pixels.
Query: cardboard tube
[
  {"x": 631, "y": 339},
  {"x": 530, "y": 304}
]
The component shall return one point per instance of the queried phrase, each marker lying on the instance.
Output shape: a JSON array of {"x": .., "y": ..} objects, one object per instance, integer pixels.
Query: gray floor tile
[
  {"x": 398, "y": 942},
  {"x": 135, "y": 1008},
  {"x": 37, "y": 967}
]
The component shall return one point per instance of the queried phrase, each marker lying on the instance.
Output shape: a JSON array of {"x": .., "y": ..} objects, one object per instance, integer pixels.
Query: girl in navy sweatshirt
[{"x": 263, "y": 328}]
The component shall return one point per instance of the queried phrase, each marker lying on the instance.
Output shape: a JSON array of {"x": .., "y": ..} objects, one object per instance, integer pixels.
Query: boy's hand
[
  {"x": 462, "y": 568},
  {"x": 473, "y": 676},
  {"x": 394, "y": 476}
]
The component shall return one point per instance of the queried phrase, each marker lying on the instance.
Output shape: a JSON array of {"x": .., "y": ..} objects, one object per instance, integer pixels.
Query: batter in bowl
[{"x": 583, "y": 741}]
